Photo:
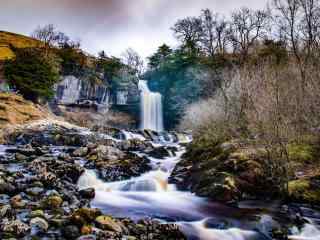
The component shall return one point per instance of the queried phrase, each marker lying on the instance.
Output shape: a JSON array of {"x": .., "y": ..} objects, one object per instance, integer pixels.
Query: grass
[{"x": 9, "y": 40}]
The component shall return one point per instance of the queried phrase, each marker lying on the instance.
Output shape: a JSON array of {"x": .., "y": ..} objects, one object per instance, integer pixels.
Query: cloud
[{"x": 112, "y": 25}]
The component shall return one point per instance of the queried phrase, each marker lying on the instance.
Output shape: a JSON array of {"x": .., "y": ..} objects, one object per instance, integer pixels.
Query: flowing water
[
  {"x": 151, "y": 108},
  {"x": 151, "y": 196}
]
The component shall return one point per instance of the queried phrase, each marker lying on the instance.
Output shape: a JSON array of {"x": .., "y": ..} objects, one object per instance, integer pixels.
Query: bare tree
[
  {"x": 215, "y": 33},
  {"x": 247, "y": 27},
  {"x": 133, "y": 60},
  {"x": 189, "y": 32}
]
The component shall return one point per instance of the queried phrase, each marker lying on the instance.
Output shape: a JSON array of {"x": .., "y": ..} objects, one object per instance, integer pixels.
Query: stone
[
  {"x": 35, "y": 191},
  {"x": 80, "y": 152},
  {"x": 6, "y": 211},
  {"x": 20, "y": 157},
  {"x": 15, "y": 227},
  {"x": 71, "y": 232},
  {"x": 107, "y": 223},
  {"x": 87, "y": 237},
  {"x": 88, "y": 193},
  {"x": 39, "y": 223},
  {"x": 85, "y": 216},
  {"x": 53, "y": 202},
  {"x": 37, "y": 213},
  {"x": 18, "y": 202}
]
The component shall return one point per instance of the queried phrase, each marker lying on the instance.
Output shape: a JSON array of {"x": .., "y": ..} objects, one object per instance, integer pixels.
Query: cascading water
[
  {"x": 151, "y": 108},
  {"x": 151, "y": 195}
]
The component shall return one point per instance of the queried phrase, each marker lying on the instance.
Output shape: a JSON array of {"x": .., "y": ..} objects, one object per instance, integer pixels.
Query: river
[{"x": 151, "y": 196}]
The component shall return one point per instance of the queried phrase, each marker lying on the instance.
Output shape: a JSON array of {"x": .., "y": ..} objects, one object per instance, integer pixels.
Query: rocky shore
[
  {"x": 237, "y": 170},
  {"x": 39, "y": 197}
]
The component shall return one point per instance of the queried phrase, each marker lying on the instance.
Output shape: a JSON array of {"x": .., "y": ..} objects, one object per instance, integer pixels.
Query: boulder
[
  {"x": 39, "y": 223},
  {"x": 52, "y": 202},
  {"x": 88, "y": 193},
  {"x": 16, "y": 227},
  {"x": 107, "y": 223},
  {"x": 71, "y": 232}
]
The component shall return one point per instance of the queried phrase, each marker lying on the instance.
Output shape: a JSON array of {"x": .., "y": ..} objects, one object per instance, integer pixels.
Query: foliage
[{"x": 32, "y": 73}]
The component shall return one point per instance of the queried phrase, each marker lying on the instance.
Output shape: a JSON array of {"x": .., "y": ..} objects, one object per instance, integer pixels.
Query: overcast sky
[{"x": 111, "y": 25}]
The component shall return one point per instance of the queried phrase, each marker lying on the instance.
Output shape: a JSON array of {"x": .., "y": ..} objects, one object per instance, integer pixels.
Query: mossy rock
[
  {"x": 305, "y": 191},
  {"x": 84, "y": 216},
  {"x": 304, "y": 153},
  {"x": 52, "y": 202}
]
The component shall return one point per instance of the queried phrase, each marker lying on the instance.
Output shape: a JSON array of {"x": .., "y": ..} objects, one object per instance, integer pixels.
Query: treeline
[
  {"x": 285, "y": 34},
  {"x": 34, "y": 71},
  {"x": 265, "y": 73}
]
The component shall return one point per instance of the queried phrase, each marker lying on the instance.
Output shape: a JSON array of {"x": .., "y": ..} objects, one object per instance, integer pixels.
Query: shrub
[{"x": 32, "y": 73}]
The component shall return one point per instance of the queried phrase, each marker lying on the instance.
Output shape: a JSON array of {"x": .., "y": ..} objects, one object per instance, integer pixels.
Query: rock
[
  {"x": 35, "y": 191},
  {"x": 52, "y": 202},
  {"x": 80, "y": 152},
  {"x": 39, "y": 223},
  {"x": 102, "y": 153},
  {"x": 6, "y": 211},
  {"x": 17, "y": 202},
  {"x": 4, "y": 199},
  {"x": 88, "y": 193},
  {"x": 305, "y": 190},
  {"x": 20, "y": 157},
  {"x": 225, "y": 172},
  {"x": 122, "y": 169},
  {"x": 86, "y": 230},
  {"x": 16, "y": 228},
  {"x": 160, "y": 153},
  {"x": 71, "y": 232},
  {"x": 87, "y": 237},
  {"x": 37, "y": 213},
  {"x": 107, "y": 223},
  {"x": 84, "y": 216}
]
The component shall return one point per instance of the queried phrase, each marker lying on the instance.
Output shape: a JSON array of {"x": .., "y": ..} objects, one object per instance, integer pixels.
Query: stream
[{"x": 151, "y": 196}]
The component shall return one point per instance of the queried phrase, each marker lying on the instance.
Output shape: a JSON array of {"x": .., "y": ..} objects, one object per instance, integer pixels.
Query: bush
[{"x": 32, "y": 73}]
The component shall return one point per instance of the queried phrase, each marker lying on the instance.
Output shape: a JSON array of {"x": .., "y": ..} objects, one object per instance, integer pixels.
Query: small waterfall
[{"x": 151, "y": 108}]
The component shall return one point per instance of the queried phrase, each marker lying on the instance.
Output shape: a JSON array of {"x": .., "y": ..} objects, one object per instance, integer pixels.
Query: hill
[{"x": 9, "y": 40}]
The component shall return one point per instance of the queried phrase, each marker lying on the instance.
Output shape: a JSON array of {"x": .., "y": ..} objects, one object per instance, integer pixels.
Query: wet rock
[
  {"x": 305, "y": 190},
  {"x": 88, "y": 193},
  {"x": 52, "y": 202},
  {"x": 39, "y": 224},
  {"x": 20, "y": 157},
  {"x": 102, "y": 153},
  {"x": 225, "y": 172},
  {"x": 86, "y": 230},
  {"x": 16, "y": 227},
  {"x": 4, "y": 199},
  {"x": 35, "y": 191},
  {"x": 37, "y": 213},
  {"x": 81, "y": 152},
  {"x": 6, "y": 211},
  {"x": 107, "y": 223},
  {"x": 84, "y": 216},
  {"x": 87, "y": 237},
  {"x": 18, "y": 202},
  {"x": 122, "y": 169},
  {"x": 71, "y": 232},
  {"x": 160, "y": 153}
]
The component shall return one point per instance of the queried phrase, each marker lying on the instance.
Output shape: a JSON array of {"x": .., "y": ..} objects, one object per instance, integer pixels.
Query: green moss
[
  {"x": 302, "y": 190},
  {"x": 301, "y": 152}
]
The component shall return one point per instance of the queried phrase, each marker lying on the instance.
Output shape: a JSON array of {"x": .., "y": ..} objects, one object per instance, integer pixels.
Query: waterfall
[{"x": 151, "y": 108}]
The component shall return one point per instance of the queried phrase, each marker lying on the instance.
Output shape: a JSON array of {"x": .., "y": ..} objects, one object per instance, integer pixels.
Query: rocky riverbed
[
  {"x": 59, "y": 181},
  {"x": 39, "y": 196}
]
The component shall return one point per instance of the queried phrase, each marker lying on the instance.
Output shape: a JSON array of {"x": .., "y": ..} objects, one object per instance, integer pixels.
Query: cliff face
[{"x": 72, "y": 90}]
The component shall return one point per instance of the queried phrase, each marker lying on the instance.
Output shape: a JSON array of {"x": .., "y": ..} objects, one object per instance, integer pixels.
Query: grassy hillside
[{"x": 9, "y": 40}]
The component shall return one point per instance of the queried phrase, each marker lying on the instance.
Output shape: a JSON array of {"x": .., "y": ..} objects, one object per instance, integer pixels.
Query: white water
[
  {"x": 151, "y": 108},
  {"x": 150, "y": 195}
]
